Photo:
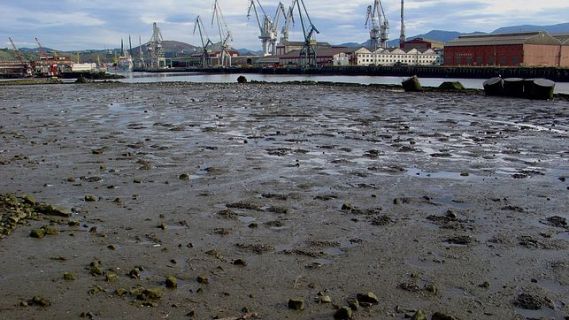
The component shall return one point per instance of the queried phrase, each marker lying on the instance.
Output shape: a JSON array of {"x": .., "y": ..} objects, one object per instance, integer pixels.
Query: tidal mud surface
[{"x": 284, "y": 202}]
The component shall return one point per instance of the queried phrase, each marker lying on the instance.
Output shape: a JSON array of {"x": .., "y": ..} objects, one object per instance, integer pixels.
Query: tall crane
[
  {"x": 402, "y": 37},
  {"x": 43, "y": 54},
  {"x": 265, "y": 25},
  {"x": 155, "y": 48},
  {"x": 225, "y": 36},
  {"x": 276, "y": 21},
  {"x": 25, "y": 64},
  {"x": 289, "y": 20},
  {"x": 308, "y": 55},
  {"x": 378, "y": 26},
  {"x": 206, "y": 42},
  {"x": 141, "y": 62}
]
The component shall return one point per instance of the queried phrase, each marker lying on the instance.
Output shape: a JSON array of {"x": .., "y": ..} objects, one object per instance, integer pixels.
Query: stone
[
  {"x": 39, "y": 301},
  {"x": 184, "y": 177},
  {"x": 242, "y": 79},
  {"x": 37, "y": 233},
  {"x": 367, "y": 298},
  {"x": 419, "y": 315},
  {"x": 111, "y": 277},
  {"x": 344, "y": 313},
  {"x": 90, "y": 198},
  {"x": 171, "y": 282},
  {"x": 203, "y": 279},
  {"x": 296, "y": 303},
  {"x": 68, "y": 276},
  {"x": 442, "y": 316},
  {"x": 152, "y": 293},
  {"x": 50, "y": 230}
]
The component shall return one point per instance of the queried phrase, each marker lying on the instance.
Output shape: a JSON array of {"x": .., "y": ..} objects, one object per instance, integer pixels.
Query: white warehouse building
[{"x": 390, "y": 57}]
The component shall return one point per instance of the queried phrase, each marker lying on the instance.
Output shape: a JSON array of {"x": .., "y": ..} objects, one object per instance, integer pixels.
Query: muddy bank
[{"x": 275, "y": 202}]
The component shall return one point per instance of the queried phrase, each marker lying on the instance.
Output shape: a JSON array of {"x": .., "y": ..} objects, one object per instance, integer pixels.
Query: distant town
[{"x": 507, "y": 48}]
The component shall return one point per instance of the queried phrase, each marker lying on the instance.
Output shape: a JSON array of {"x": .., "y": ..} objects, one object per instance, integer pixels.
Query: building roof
[
  {"x": 563, "y": 37},
  {"x": 320, "y": 52},
  {"x": 542, "y": 38},
  {"x": 301, "y": 43}
]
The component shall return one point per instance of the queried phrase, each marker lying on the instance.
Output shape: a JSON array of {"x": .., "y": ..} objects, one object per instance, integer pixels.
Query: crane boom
[
  {"x": 225, "y": 36},
  {"x": 378, "y": 26},
  {"x": 206, "y": 42},
  {"x": 19, "y": 55},
  {"x": 308, "y": 56}
]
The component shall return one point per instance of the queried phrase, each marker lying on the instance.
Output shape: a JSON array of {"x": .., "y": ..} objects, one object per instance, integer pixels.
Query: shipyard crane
[
  {"x": 206, "y": 41},
  {"x": 225, "y": 36},
  {"x": 276, "y": 21},
  {"x": 21, "y": 59},
  {"x": 141, "y": 63},
  {"x": 378, "y": 26},
  {"x": 265, "y": 25},
  {"x": 155, "y": 48},
  {"x": 43, "y": 54},
  {"x": 289, "y": 20},
  {"x": 308, "y": 55}
]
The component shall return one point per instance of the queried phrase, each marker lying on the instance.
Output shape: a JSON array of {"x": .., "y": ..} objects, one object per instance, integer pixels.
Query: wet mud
[{"x": 258, "y": 201}]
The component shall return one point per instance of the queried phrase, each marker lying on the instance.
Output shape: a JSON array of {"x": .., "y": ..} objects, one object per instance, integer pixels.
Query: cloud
[{"x": 80, "y": 24}]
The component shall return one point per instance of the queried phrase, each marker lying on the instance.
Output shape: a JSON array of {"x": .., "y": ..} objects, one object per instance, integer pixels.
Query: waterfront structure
[
  {"x": 338, "y": 56},
  {"x": 529, "y": 49},
  {"x": 391, "y": 57}
]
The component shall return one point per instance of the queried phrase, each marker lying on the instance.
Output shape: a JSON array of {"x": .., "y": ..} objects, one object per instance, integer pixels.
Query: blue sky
[{"x": 99, "y": 24}]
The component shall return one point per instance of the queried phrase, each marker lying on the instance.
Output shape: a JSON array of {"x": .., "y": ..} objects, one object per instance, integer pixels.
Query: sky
[{"x": 100, "y": 24}]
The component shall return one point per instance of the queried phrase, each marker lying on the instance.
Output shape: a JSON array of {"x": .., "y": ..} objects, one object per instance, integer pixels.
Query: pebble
[
  {"x": 296, "y": 303},
  {"x": 344, "y": 313}
]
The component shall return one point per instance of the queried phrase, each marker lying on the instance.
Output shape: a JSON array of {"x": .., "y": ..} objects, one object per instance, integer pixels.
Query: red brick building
[{"x": 517, "y": 49}]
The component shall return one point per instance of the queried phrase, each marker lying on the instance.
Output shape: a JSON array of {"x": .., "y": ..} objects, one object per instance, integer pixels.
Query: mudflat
[{"x": 267, "y": 201}]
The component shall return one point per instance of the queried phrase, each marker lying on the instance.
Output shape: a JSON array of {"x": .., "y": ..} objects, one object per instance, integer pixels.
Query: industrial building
[
  {"x": 516, "y": 49},
  {"x": 422, "y": 44},
  {"x": 387, "y": 57},
  {"x": 333, "y": 56}
]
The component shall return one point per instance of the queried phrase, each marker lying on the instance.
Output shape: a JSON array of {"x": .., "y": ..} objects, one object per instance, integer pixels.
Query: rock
[
  {"x": 152, "y": 293},
  {"x": 412, "y": 85},
  {"x": 494, "y": 86},
  {"x": 531, "y": 302},
  {"x": 514, "y": 87},
  {"x": 557, "y": 221},
  {"x": 325, "y": 299},
  {"x": 37, "y": 233},
  {"x": 451, "y": 86},
  {"x": 135, "y": 273},
  {"x": 121, "y": 292},
  {"x": 460, "y": 240},
  {"x": 368, "y": 298},
  {"x": 50, "y": 230},
  {"x": 171, "y": 282},
  {"x": 442, "y": 316},
  {"x": 240, "y": 262},
  {"x": 111, "y": 277},
  {"x": 344, "y": 313},
  {"x": 39, "y": 301},
  {"x": 184, "y": 177},
  {"x": 540, "y": 89},
  {"x": 296, "y": 304},
  {"x": 203, "y": 279},
  {"x": 242, "y": 79},
  {"x": 68, "y": 276},
  {"x": 90, "y": 198},
  {"x": 419, "y": 315},
  {"x": 51, "y": 210}
]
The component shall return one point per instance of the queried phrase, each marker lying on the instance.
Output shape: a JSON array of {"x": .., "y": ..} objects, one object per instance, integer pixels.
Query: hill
[{"x": 556, "y": 28}]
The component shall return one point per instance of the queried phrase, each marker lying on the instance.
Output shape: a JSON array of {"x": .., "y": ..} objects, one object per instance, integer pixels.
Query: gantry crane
[
  {"x": 157, "y": 59},
  {"x": 206, "y": 41},
  {"x": 25, "y": 64},
  {"x": 378, "y": 26},
  {"x": 308, "y": 55},
  {"x": 289, "y": 20},
  {"x": 276, "y": 21},
  {"x": 225, "y": 36},
  {"x": 267, "y": 26}
]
